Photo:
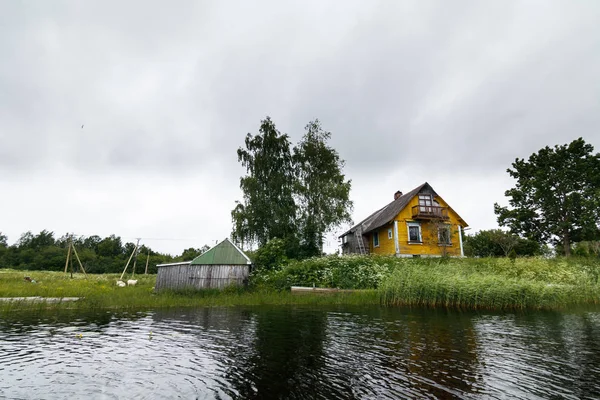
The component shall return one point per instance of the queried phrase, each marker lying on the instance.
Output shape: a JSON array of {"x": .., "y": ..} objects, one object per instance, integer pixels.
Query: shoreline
[{"x": 470, "y": 284}]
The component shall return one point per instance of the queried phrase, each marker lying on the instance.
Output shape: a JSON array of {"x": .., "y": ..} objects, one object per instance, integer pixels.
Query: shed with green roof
[{"x": 223, "y": 265}]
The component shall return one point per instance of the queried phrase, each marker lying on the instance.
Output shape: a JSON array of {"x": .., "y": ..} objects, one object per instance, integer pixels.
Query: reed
[
  {"x": 487, "y": 283},
  {"x": 497, "y": 284}
]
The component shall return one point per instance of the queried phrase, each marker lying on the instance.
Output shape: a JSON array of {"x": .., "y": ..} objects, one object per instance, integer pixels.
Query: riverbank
[
  {"x": 494, "y": 284},
  {"x": 468, "y": 283},
  {"x": 101, "y": 292}
]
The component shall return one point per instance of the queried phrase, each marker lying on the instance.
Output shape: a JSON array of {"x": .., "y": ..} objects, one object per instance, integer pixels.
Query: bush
[
  {"x": 271, "y": 256},
  {"x": 488, "y": 243},
  {"x": 347, "y": 272}
]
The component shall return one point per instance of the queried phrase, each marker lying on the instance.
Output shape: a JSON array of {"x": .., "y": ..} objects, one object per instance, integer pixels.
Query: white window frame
[
  {"x": 376, "y": 234},
  {"x": 418, "y": 225},
  {"x": 390, "y": 234}
]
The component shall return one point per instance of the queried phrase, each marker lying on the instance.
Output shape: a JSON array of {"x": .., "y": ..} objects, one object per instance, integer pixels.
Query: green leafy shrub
[{"x": 271, "y": 256}]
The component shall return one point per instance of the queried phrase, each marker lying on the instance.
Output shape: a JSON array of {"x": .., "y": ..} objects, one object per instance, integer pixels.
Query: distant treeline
[
  {"x": 499, "y": 243},
  {"x": 98, "y": 255}
]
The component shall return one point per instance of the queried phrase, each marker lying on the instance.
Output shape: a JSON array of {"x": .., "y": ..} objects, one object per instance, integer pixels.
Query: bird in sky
[{"x": 81, "y": 126}]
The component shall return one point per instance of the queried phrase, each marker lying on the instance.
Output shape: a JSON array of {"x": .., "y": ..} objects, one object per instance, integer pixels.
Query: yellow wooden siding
[
  {"x": 386, "y": 246},
  {"x": 430, "y": 244}
]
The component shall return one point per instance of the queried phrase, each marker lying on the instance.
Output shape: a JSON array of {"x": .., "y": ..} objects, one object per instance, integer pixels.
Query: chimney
[{"x": 397, "y": 194}]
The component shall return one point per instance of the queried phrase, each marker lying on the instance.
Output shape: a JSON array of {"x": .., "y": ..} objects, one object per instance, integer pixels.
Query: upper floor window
[
  {"x": 425, "y": 203},
  {"x": 390, "y": 234}
]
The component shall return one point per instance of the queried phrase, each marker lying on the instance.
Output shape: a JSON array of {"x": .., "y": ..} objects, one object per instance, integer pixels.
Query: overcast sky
[{"x": 448, "y": 92}]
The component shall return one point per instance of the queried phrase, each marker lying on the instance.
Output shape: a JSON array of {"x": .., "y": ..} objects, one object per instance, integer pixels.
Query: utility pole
[
  {"x": 147, "y": 260},
  {"x": 68, "y": 254},
  {"x": 128, "y": 261},
  {"x": 69, "y": 258},
  {"x": 136, "y": 256}
]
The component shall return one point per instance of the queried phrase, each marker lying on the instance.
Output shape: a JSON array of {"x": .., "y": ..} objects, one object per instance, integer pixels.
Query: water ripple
[{"x": 295, "y": 353}]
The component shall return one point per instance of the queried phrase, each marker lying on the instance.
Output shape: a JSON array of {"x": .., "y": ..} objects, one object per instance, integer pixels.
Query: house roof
[
  {"x": 387, "y": 214},
  {"x": 224, "y": 253}
]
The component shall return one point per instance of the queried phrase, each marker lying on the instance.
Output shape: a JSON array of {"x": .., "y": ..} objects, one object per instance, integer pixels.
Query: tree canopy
[
  {"x": 43, "y": 251},
  {"x": 294, "y": 195},
  {"x": 322, "y": 191},
  {"x": 499, "y": 243},
  {"x": 268, "y": 210},
  {"x": 556, "y": 197}
]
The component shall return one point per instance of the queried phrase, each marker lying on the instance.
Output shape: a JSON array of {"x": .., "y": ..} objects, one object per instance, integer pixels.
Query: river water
[{"x": 300, "y": 352}]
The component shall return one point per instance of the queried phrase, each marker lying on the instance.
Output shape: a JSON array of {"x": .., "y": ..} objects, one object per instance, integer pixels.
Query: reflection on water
[{"x": 299, "y": 352}]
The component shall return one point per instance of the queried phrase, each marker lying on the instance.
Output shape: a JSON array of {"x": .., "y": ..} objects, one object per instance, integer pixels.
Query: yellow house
[{"x": 418, "y": 223}]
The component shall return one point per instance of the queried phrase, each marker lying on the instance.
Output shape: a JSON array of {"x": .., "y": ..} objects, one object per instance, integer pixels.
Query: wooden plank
[
  {"x": 79, "y": 261},
  {"x": 186, "y": 275},
  {"x": 68, "y": 256},
  {"x": 302, "y": 289}
]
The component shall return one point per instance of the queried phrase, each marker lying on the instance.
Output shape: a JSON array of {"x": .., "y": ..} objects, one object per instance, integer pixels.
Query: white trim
[
  {"x": 417, "y": 224},
  {"x": 397, "y": 239},
  {"x": 248, "y": 261},
  {"x": 175, "y": 263},
  {"x": 462, "y": 252},
  {"x": 422, "y": 256}
]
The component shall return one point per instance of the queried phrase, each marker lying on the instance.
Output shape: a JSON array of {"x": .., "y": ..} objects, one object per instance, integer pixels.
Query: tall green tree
[
  {"x": 322, "y": 190},
  {"x": 268, "y": 210},
  {"x": 557, "y": 195}
]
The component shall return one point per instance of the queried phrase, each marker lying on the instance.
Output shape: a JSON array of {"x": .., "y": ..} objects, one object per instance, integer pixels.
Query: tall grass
[
  {"x": 527, "y": 283},
  {"x": 487, "y": 283}
]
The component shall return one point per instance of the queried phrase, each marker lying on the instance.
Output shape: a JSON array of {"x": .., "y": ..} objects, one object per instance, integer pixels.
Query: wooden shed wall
[
  {"x": 351, "y": 247},
  {"x": 201, "y": 276}
]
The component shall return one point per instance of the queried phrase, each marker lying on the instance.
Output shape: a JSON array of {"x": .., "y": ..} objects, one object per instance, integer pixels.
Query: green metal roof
[{"x": 225, "y": 253}]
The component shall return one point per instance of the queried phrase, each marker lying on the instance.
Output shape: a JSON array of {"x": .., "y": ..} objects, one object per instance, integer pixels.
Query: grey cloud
[{"x": 470, "y": 84}]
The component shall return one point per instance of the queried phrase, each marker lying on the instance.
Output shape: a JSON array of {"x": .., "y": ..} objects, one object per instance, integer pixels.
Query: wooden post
[
  {"x": 147, "y": 260},
  {"x": 79, "y": 261},
  {"x": 128, "y": 261},
  {"x": 135, "y": 259},
  {"x": 68, "y": 256}
]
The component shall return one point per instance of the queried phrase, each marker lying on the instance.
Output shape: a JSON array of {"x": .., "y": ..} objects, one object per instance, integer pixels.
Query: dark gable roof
[{"x": 386, "y": 214}]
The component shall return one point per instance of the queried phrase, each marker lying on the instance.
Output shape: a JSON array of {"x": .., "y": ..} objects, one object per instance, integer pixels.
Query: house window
[
  {"x": 414, "y": 232},
  {"x": 376, "y": 239},
  {"x": 425, "y": 203},
  {"x": 345, "y": 239},
  {"x": 444, "y": 235},
  {"x": 390, "y": 234}
]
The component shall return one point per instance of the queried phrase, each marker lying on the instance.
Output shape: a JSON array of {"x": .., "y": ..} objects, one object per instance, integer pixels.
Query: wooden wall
[
  {"x": 352, "y": 246},
  {"x": 201, "y": 276},
  {"x": 429, "y": 246}
]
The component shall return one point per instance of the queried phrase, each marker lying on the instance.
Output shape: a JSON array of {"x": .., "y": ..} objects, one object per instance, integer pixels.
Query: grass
[
  {"x": 101, "y": 292},
  {"x": 499, "y": 284}
]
